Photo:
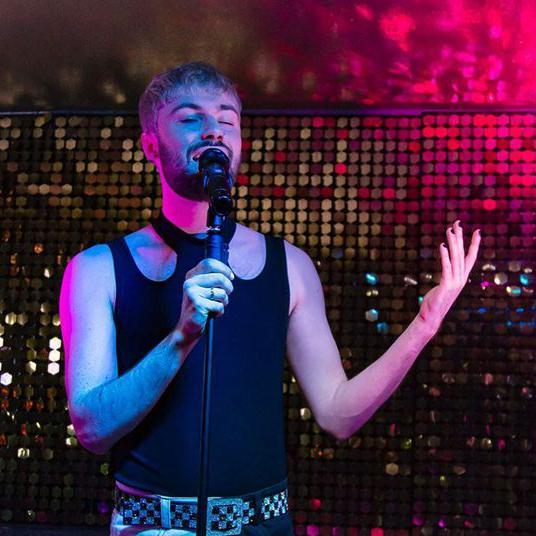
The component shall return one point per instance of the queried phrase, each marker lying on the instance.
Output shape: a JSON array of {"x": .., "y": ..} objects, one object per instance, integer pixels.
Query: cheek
[
  {"x": 236, "y": 141},
  {"x": 180, "y": 138},
  {"x": 237, "y": 149}
]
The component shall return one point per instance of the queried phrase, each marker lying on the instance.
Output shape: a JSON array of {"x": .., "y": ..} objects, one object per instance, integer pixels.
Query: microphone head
[
  {"x": 214, "y": 167},
  {"x": 214, "y": 158}
]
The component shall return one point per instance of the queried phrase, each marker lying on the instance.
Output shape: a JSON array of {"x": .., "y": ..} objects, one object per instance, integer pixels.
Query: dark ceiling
[{"x": 66, "y": 54}]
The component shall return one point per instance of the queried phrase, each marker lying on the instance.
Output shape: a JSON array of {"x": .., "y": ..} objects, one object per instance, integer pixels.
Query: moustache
[{"x": 203, "y": 144}]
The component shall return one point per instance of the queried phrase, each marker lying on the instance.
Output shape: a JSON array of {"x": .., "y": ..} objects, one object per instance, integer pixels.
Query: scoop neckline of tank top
[{"x": 174, "y": 273}]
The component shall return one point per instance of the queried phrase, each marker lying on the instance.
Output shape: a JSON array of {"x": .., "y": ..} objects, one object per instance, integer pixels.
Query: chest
[{"x": 157, "y": 262}]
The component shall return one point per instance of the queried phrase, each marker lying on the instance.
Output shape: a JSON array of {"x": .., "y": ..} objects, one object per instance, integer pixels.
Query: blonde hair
[{"x": 161, "y": 89}]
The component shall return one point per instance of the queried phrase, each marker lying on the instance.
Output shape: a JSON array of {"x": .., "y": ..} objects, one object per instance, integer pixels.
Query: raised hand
[{"x": 456, "y": 267}]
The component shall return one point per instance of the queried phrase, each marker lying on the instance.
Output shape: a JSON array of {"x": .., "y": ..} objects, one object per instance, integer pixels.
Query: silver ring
[{"x": 212, "y": 293}]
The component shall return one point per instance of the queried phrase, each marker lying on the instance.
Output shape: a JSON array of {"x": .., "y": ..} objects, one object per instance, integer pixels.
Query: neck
[{"x": 189, "y": 216}]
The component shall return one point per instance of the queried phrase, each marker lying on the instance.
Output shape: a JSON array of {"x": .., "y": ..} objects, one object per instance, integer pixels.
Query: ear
[{"x": 149, "y": 144}]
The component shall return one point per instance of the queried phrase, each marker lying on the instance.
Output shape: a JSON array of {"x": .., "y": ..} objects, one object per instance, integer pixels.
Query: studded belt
[{"x": 225, "y": 515}]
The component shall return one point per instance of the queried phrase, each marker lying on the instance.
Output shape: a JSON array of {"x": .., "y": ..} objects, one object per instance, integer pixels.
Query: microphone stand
[{"x": 215, "y": 248}]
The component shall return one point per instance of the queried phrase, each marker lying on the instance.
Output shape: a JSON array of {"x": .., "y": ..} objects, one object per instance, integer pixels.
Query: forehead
[{"x": 206, "y": 99}]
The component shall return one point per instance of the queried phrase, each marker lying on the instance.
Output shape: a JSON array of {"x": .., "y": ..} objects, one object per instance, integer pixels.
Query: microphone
[{"x": 214, "y": 168}]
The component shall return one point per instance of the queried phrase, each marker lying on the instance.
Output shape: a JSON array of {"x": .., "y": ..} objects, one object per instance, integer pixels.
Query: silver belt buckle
[{"x": 220, "y": 501}]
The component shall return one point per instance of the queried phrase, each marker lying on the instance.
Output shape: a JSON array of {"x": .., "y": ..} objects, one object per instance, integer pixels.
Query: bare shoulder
[
  {"x": 298, "y": 257},
  {"x": 94, "y": 266},
  {"x": 97, "y": 259},
  {"x": 302, "y": 274},
  {"x": 300, "y": 263}
]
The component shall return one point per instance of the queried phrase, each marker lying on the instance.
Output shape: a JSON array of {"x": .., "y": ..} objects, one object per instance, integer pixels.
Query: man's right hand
[{"x": 206, "y": 290}]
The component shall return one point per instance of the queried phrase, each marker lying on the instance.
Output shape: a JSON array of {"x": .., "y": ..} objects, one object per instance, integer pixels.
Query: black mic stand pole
[{"x": 215, "y": 248}]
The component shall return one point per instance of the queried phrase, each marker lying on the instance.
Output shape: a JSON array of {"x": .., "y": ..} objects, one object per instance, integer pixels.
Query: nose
[{"x": 212, "y": 130}]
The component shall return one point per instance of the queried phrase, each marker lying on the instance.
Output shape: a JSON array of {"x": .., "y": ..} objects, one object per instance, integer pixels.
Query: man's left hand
[{"x": 456, "y": 267}]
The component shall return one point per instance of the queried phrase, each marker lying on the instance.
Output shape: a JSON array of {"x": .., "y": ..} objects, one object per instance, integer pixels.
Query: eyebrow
[{"x": 194, "y": 106}]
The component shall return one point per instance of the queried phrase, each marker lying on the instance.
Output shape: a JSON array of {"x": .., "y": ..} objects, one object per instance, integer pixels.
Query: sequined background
[{"x": 369, "y": 197}]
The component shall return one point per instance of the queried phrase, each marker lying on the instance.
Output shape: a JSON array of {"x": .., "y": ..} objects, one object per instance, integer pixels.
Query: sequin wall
[{"x": 452, "y": 452}]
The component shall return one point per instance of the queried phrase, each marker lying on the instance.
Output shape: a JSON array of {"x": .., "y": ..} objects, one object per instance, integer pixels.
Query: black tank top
[{"x": 247, "y": 444}]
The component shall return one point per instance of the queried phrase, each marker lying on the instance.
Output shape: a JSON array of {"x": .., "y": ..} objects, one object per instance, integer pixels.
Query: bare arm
[
  {"x": 104, "y": 406},
  {"x": 356, "y": 400},
  {"x": 342, "y": 406}
]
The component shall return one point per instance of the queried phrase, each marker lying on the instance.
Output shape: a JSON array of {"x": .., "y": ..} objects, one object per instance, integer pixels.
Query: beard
[
  {"x": 183, "y": 177},
  {"x": 182, "y": 174}
]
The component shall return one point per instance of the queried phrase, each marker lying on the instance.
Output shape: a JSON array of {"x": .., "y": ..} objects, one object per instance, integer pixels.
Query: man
[{"x": 133, "y": 312}]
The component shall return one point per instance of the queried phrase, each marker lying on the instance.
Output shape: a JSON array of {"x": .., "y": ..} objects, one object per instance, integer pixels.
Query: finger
[
  {"x": 207, "y": 266},
  {"x": 216, "y": 294},
  {"x": 470, "y": 259},
  {"x": 453, "y": 249},
  {"x": 458, "y": 231},
  {"x": 211, "y": 306},
  {"x": 446, "y": 268},
  {"x": 212, "y": 280}
]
